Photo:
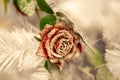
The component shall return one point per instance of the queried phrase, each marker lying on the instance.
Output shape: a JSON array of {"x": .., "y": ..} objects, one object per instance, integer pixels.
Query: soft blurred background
[{"x": 97, "y": 20}]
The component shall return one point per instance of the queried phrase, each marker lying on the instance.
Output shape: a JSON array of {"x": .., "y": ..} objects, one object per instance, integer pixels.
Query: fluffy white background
[
  {"x": 90, "y": 17},
  {"x": 94, "y": 16}
]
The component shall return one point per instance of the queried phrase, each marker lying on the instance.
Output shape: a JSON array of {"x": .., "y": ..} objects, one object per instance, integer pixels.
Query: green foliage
[
  {"x": 103, "y": 73},
  {"x": 28, "y": 1},
  {"x": 26, "y": 7},
  {"x": 50, "y": 66},
  {"x": 44, "y": 6},
  {"x": 94, "y": 57},
  {"x": 38, "y": 39},
  {"x": 5, "y": 5},
  {"x": 49, "y": 19},
  {"x": 47, "y": 66}
]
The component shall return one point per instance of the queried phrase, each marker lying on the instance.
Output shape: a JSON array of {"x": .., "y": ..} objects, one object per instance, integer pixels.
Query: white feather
[
  {"x": 18, "y": 58},
  {"x": 111, "y": 35},
  {"x": 87, "y": 15}
]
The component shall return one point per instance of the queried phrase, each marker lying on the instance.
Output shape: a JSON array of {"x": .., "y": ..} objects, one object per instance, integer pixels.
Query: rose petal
[
  {"x": 79, "y": 47},
  {"x": 52, "y": 43},
  {"x": 66, "y": 47},
  {"x": 67, "y": 33},
  {"x": 59, "y": 24},
  {"x": 53, "y": 60},
  {"x": 46, "y": 29},
  {"x": 52, "y": 32},
  {"x": 59, "y": 43},
  {"x": 40, "y": 51},
  {"x": 47, "y": 42},
  {"x": 43, "y": 46},
  {"x": 71, "y": 54}
]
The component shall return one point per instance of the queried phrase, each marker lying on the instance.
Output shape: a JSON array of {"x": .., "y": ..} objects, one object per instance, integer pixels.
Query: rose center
[{"x": 62, "y": 46}]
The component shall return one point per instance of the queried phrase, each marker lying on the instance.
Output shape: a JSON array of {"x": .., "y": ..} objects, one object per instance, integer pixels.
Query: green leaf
[
  {"x": 38, "y": 39},
  {"x": 15, "y": 3},
  {"x": 28, "y": 1},
  {"x": 103, "y": 73},
  {"x": 94, "y": 57},
  {"x": 60, "y": 14},
  {"x": 25, "y": 6},
  {"x": 44, "y": 6},
  {"x": 50, "y": 66},
  {"x": 49, "y": 19},
  {"x": 5, "y": 5},
  {"x": 47, "y": 66}
]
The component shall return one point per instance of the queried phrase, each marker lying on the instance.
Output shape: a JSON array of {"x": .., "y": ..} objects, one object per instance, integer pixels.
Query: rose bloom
[{"x": 59, "y": 43}]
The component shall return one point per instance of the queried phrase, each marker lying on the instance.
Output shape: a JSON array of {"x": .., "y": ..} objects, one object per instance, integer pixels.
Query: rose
[{"x": 59, "y": 43}]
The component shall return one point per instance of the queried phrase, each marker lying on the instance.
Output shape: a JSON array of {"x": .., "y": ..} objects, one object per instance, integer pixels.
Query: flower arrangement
[{"x": 59, "y": 42}]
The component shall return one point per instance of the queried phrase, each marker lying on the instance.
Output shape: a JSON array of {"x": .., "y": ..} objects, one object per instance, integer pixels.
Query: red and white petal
[
  {"x": 63, "y": 48},
  {"x": 47, "y": 41},
  {"x": 59, "y": 43},
  {"x": 45, "y": 31},
  {"x": 52, "y": 43},
  {"x": 53, "y": 60},
  {"x": 52, "y": 32},
  {"x": 71, "y": 54},
  {"x": 59, "y": 24},
  {"x": 67, "y": 34},
  {"x": 47, "y": 46},
  {"x": 61, "y": 61},
  {"x": 40, "y": 51},
  {"x": 79, "y": 47}
]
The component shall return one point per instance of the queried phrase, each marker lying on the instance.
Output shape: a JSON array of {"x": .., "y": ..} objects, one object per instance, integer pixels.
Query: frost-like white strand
[
  {"x": 18, "y": 56},
  {"x": 111, "y": 34}
]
